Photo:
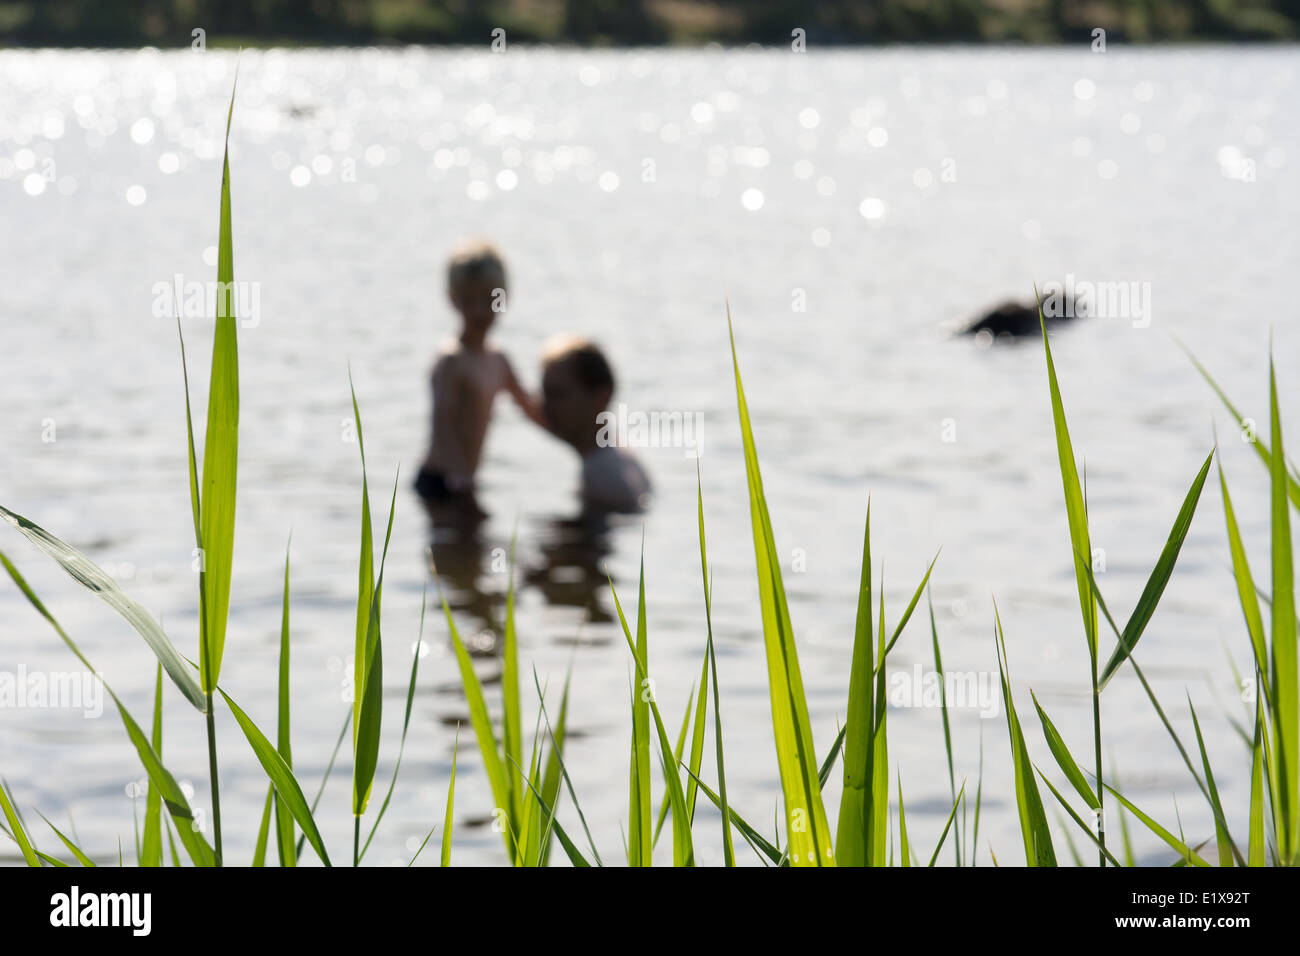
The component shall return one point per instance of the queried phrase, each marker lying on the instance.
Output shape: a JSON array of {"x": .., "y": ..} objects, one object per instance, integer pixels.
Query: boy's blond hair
[{"x": 476, "y": 261}]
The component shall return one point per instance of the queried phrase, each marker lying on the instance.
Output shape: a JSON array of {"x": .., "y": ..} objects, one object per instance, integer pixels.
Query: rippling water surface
[{"x": 849, "y": 204}]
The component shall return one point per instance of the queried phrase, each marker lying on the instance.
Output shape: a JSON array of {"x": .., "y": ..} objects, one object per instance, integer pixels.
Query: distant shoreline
[{"x": 713, "y": 45}]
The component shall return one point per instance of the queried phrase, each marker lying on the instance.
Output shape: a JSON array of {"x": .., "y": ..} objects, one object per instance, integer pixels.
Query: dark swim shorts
[{"x": 432, "y": 486}]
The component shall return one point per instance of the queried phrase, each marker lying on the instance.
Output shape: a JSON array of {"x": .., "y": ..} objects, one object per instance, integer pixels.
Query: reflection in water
[
  {"x": 456, "y": 557},
  {"x": 571, "y": 571},
  {"x": 567, "y": 566}
]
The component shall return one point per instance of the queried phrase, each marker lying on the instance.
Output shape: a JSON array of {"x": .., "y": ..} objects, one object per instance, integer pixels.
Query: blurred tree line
[{"x": 630, "y": 22}]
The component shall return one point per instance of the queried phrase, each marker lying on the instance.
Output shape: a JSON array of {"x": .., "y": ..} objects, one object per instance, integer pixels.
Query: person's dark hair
[{"x": 590, "y": 367}]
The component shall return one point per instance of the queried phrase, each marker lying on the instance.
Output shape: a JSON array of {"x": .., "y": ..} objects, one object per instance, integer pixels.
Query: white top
[{"x": 614, "y": 481}]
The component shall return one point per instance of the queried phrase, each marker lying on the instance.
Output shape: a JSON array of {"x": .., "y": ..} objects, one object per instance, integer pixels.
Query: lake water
[{"x": 849, "y": 204}]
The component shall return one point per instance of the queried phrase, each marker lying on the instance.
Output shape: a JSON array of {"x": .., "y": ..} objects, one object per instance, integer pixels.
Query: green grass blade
[
  {"x": 16, "y": 830},
  {"x": 171, "y": 843},
  {"x": 406, "y": 722},
  {"x": 88, "y": 574},
  {"x": 1164, "y": 569},
  {"x": 329, "y": 768},
  {"x": 943, "y": 710},
  {"x": 552, "y": 777},
  {"x": 854, "y": 823},
  {"x": 286, "y": 785},
  {"x": 979, "y": 793},
  {"x": 195, "y": 504},
  {"x": 878, "y": 839},
  {"x": 697, "y": 735},
  {"x": 1126, "y": 838},
  {"x": 557, "y": 750},
  {"x": 220, "y": 447},
  {"x": 1063, "y": 758},
  {"x": 75, "y": 850},
  {"x": 172, "y": 797},
  {"x": 284, "y": 827},
  {"x": 511, "y": 731},
  {"x": 905, "y": 848},
  {"x": 570, "y": 848},
  {"x": 1079, "y": 822},
  {"x": 1256, "y": 844},
  {"x": 480, "y": 720},
  {"x": 1075, "y": 508},
  {"x": 1227, "y": 849},
  {"x": 447, "y": 819},
  {"x": 1283, "y": 673},
  {"x": 728, "y": 849},
  {"x": 1186, "y": 852},
  {"x": 907, "y": 614},
  {"x": 640, "y": 842},
  {"x": 952, "y": 814},
  {"x": 824, "y": 774},
  {"x": 1146, "y": 686},
  {"x": 677, "y": 757},
  {"x": 762, "y": 846},
  {"x": 1261, "y": 449},
  {"x": 427, "y": 837},
  {"x": 264, "y": 828},
  {"x": 365, "y": 574},
  {"x": 1246, "y": 592},
  {"x": 683, "y": 849},
  {"x": 369, "y": 702},
  {"x": 809, "y": 832},
  {"x": 151, "y": 847},
  {"x": 1029, "y": 805}
]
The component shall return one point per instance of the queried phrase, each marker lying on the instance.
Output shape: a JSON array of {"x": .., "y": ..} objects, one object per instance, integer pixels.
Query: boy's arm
[{"x": 527, "y": 404}]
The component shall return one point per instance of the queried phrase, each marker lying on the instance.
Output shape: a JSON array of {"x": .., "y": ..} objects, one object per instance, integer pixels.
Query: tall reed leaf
[
  {"x": 1286, "y": 703},
  {"x": 1075, "y": 509},
  {"x": 90, "y": 576},
  {"x": 480, "y": 720},
  {"x": 1064, "y": 759},
  {"x": 16, "y": 830},
  {"x": 512, "y": 720},
  {"x": 1247, "y": 426},
  {"x": 284, "y": 832},
  {"x": 151, "y": 847},
  {"x": 286, "y": 785},
  {"x": 448, "y": 816},
  {"x": 1246, "y": 592},
  {"x": 640, "y": 842},
  {"x": 851, "y": 836},
  {"x": 1188, "y": 854},
  {"x": 75, "y": 850},
  {"x": 416, "y": 650},
  {"x": 220, "y": 447},
  {"x": 809, "y": 832},
  {"x": 169, "y": 791},
  {"x": 1256, "y": 844},
  {"x": 728, "y": 850},
  {"x": 1033, "y": 820},
  {"x": 1164, "y": 569},
  {"x": 683, "y": 849}
]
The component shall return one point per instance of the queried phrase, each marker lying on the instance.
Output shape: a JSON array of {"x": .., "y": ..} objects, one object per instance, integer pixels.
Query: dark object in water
[{"x": 1014, "y": 320}]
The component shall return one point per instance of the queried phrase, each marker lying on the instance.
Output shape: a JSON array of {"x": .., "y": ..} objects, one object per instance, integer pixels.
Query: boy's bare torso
[{"x": 465, "y": 382}]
